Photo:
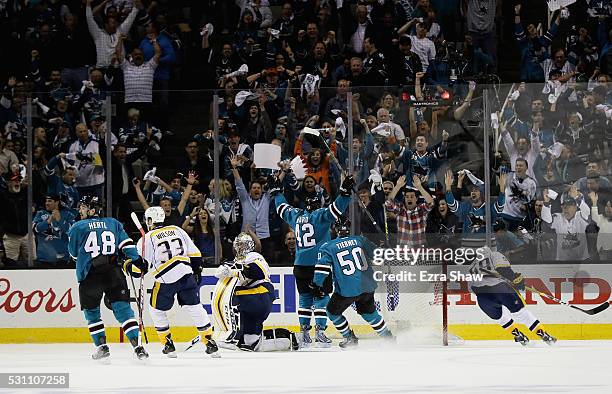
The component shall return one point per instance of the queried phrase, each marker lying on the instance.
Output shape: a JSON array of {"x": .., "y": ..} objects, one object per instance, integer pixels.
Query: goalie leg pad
[
  {"x": 125, "y": 316},
  {"x": 95, "y": 325}
]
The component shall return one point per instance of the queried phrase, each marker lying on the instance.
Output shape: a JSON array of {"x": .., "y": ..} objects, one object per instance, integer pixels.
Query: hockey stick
[
  {"x": 140, "y": 301},
  {"x": 342, "y": 170},
  {"x": 593, "y": 311},
  {"x": 193, "y": 343}
]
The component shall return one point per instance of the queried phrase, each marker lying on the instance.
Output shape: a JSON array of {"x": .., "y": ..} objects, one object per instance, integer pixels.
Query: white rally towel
[{"x": 298, "y": 168}]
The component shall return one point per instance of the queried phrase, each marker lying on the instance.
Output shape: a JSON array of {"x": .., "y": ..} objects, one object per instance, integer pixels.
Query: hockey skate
[
  {"x": 304, "y": 336},
  {"x": 321, "y": 340},
  {"x": 102, "y": 354},
  {"x": 350, "y": 341},
  {"x": 211, "y": 347},
  {"x": 546, "y": 337},
  {"x": 520, "y": 337},
  {"x": 169, "y": 348},
  {"x": 141, "y": 353},
  {"x": 388, "y": 336}
]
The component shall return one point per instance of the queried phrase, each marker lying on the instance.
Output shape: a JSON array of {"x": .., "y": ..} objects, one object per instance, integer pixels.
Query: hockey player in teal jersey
[
  {"x": 95, "y": 243},
  {"x": 346, "y": 260},
  {"x": 312, "y": 228}
]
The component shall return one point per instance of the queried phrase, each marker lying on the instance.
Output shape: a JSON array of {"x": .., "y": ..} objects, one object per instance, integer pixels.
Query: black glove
[
  {"x": 317, "y": 291},
  {"x": 275, "y": 186},
  {"x": 347, "y": 186},
  {"x": 519, "y": 282},
  {"x": 197, "y": 271},
  {"x": 135, "y": 268}
]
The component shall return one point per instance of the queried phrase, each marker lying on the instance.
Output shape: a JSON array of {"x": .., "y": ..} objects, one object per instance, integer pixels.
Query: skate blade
[
  {"x": 103, "y": 361},
  {"x": 171, "y": 355},
  {"x": 215, "y": 355},
  {"x": 321, "y": 345}
]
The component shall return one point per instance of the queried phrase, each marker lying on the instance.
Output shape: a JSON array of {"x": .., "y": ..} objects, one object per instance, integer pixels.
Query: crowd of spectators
[{"x": 410, "y": 74}]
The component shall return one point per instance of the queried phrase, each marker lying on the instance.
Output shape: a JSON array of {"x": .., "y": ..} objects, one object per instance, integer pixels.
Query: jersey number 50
[
  {"x": 304, "y": 235},
  {"x": 357, "y": 259}
]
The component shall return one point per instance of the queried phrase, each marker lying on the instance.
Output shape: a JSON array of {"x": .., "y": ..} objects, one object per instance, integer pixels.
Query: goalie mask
[
  {"x": 243, "y": 244},
  {"x": 342, "y": 227},
  {"x": 312, "y": 203},
  {"x": 154, "y": 216}
]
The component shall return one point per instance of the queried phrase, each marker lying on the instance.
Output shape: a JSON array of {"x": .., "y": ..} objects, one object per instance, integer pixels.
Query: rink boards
[{"x": 42, "y": 306}]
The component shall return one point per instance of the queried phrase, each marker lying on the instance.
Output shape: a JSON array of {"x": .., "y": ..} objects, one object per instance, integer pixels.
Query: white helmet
[
  {"x": 243, "y": 244},
  {"x": 154, "y": 215}
]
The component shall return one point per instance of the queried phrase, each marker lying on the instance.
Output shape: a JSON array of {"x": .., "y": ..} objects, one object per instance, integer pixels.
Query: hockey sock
[
  {"x": 162, "y": 324},
  {"x": 376, "y": 321},
  {"x": 527, "y": 318},
  {"x": 305, "y": 309},
  {"x": 341, "y": 324},
  {"x": 200, "y": 318},
  {"x": 320, "y": 312},
  {"x": 125, "y": 316},
  {"x": 95, "y": 325}
]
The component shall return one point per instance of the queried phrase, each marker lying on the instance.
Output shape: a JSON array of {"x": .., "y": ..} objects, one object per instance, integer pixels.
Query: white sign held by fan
[
  {"x": 554, "y": 5},
  {"x": 267, "y": 156}
]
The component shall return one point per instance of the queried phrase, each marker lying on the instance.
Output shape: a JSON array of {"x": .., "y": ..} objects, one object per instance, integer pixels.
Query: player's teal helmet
[
  {"x": 342, "y": 227},
  {"x": 89, "y": 203}
]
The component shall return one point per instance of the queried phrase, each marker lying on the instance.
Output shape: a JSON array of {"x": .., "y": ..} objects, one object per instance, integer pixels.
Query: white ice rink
[{"x": 473, "y": 367}]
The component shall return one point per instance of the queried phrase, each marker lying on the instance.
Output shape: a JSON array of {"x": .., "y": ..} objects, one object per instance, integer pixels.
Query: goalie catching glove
[
  {"x": 135, "y": 268},
  {"x": 223, "y": 271},
  {"x": 347, "y": 186}
]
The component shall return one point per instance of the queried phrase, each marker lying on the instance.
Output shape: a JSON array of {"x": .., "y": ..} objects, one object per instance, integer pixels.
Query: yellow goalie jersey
[{"x": 168, "y": 251}]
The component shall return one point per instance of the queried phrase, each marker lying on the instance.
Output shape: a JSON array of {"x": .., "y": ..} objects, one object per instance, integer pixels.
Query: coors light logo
[{"x": 12, "y": 300}]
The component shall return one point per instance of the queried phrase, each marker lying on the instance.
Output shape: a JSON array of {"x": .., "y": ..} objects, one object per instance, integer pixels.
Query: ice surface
[{"x": 473, "y": 367}]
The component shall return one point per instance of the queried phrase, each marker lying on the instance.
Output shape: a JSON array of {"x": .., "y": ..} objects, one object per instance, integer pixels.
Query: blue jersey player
[
  {"x": 346, "y": 260},
  {"x": 95, "y": 242},
  {"x": 312, "y": 228}
]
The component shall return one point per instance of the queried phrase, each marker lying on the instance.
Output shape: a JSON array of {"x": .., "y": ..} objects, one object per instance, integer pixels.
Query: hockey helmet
[
  {"x": 343, "y": 226},
  {"x": 154, "y": 216},
  {"x": 89, "y": 203},
  {"x": 312, "y": 203},
  {"x": 243, "y": 244}
]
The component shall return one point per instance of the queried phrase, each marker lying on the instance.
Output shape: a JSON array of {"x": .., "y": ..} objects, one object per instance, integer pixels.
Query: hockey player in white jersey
[
  {"x": 175, "y": 262},
  {"x": 253, "y": 295},
  {"x": 501, "y": 301}
]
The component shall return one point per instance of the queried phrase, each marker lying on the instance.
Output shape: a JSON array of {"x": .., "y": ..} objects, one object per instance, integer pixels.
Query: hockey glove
[
  {"x": 135, "y": 268},
  {"x": 317, "y": 291},
  {"x": 519, "y": 282},
  {"x": 196, "y": 266},
  {"x": 223, "y": 271},
  {"x": 275, "y": 186},
  {"x": 347, "y": 186}
]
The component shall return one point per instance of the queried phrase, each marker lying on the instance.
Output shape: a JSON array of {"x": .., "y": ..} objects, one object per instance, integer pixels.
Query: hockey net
[{"x": 417, "y": 304}]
